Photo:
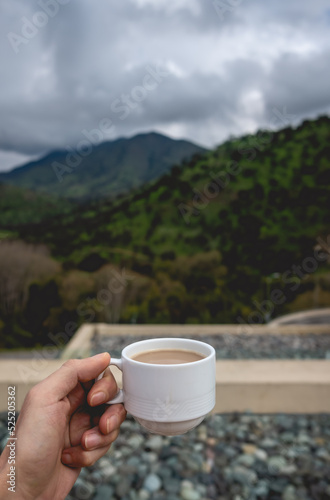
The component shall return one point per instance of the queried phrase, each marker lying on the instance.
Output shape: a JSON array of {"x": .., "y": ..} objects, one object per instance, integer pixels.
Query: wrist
[
  {"x": 4, "y": 470},
  {"x": 8, "y": 480}
]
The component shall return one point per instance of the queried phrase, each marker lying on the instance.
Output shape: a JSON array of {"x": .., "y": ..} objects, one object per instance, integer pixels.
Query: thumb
[{"x": 60, "y": 383}]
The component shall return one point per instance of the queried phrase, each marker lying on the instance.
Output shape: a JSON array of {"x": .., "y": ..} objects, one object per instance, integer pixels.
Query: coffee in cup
[{"x": 167, "y": 356}]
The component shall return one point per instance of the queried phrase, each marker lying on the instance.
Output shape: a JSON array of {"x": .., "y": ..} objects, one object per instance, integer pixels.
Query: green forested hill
[
  {"x": 209, "y": 241},
  {"x": 19, "y": 206},
  {"x": 102, "y": 170},
  {"x": 259, "y": 200}
]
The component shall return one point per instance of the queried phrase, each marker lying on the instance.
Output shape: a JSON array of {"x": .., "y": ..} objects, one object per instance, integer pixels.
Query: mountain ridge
[{"x": 107, "y": 170}]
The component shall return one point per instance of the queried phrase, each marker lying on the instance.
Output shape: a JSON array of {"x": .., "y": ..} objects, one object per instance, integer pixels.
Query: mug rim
[{"x": 196, "y": 342}]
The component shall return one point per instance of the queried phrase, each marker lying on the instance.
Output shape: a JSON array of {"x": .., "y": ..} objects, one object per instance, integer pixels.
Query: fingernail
[
  {"x": 112, "y": 423},
  {"x": 101, "y": 355},
  {"x": 92, "y": 441},
  {"x": 98, "y": 398},
  {"x": 67, "y": 458}
]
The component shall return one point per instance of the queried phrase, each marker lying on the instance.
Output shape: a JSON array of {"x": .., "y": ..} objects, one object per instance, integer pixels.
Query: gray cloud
[{"x": 225, "y": 72}]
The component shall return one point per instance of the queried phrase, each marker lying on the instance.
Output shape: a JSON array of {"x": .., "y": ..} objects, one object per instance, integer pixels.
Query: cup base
[{"x": 169, "y": 428}]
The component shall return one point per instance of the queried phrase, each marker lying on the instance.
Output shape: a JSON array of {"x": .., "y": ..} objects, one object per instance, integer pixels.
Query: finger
[
  {"x": 60, "y": 383},
  {"x": 80, "y": 423},
  {"x": 77, "y": 457},
  {"x": 77, "y": 397},
  {"x": 94, "y": 439},
  {"x": 112, "y": 418},
  {"x": 104, "y": 389}
]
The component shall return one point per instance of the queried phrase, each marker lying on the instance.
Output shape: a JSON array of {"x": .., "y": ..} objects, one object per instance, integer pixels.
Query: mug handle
[{"x": 119, "y": 398}]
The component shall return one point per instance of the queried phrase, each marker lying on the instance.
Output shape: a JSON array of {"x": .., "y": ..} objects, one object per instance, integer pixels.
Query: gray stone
[
  {"x": 278, "y": 485},
  {"x": 125, "y": 451},
  {"x": 246, "y": 460},
  {"x": 185, "y": 483},
  {"x": 96, "y": 477},
  {"x": 198, "y": 447},
  {"x": 103, "y": 462},
  {"x": 276, "y": 464},
  {"x": 108, "y": 471},
  {"x": 262, "y": 488},
  {"x": 84, "y": 473},
  {"x": 190, "y": 494},
  {"x": 302, "y": 422},
  {"x": 268, "y": 443},
  {"x": 104, "y": 492},
  {"x": 172, "y": 461},
  {"x": 172, "y": 486},
  {"x": 243, "y": 475},
  {"x": 230, "y": 452},
  {"x": 123, "y": 487},
  {"x": 285, "y": 421},
  {"x": 135, "y": 441},
  {"x": 149, "y": 457},
  {"x": 152, "y": 483},
  {"x": 323, "y": 454},
  {"x": 194, "y": 464},
  {"x": 134, "y": 461},
  {"x": 133, "y": 495},
  {"x": 142, "y": 470},
  {"x": 287, "y": 437},
  {"x": 115, "y": 479},
  {"x": 289, "y": 470},
  {"x": 83, "y": 489},
  {"x": 143, "y": 494},
  {"x": 165, "y": 473},
  {"x": 202, "y": 489},
  {"x": 290, "y": 493},
  {"x": 303, "y": 439},
  {"x": 261, "y": 454},
  {"x": 126, "y": 469},
  {"x": 155, "y": 443},
  {"x": 127, "y": 425}
]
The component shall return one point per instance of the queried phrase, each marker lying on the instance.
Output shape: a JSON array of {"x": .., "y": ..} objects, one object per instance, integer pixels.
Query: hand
[{"x": 63, "y": 426}]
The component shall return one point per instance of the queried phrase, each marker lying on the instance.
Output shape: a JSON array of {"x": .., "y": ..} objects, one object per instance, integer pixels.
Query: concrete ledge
[
  {"x": 273, "y": 386},
  {"x": 267, "y": 386},
  {"x": 80, "y": 345},
  {"x": 23, "y": 374}
]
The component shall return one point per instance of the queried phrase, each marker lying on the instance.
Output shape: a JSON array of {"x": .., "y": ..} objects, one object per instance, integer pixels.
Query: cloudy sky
[{"x": 196, "y": 69}]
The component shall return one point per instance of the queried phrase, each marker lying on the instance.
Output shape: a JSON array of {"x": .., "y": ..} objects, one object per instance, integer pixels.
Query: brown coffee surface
[{"x": 167, "y": 356}]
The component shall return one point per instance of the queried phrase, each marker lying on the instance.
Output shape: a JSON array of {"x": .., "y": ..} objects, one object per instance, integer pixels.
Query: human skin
[{"x": 63, "y": 426}]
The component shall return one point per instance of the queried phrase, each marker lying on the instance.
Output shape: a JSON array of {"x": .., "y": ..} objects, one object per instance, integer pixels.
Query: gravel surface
[
  {"x": 243, "y": 346},
  {"x": 228, "y": 457}
]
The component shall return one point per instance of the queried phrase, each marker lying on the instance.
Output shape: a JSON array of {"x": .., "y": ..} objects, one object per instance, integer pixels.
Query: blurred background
[{"x": 162, "y": 162}]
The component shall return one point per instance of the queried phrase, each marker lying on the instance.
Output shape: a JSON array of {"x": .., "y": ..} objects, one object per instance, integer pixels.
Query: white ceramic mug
[{"x": 167, "y": 399}]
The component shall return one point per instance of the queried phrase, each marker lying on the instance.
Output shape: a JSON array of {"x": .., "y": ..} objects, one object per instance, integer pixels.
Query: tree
[{"x": 21, "y": 265}]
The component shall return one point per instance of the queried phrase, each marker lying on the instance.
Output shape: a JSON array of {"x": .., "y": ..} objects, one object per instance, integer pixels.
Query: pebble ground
[{"x": 228, "y": 457}]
